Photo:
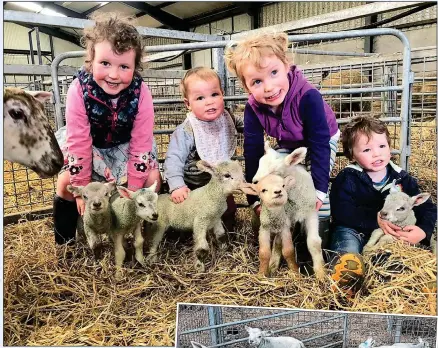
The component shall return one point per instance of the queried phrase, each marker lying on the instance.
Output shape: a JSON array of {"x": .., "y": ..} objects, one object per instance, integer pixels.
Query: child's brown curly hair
[{"x": 119, "y": 31}]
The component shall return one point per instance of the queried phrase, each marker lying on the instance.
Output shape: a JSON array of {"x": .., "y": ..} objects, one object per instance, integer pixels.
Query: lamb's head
[
  {"x": 274, "y": 162},
  {"x": 369, "y": 343},
  {"x": 96, "y": 195},
  {"x": 29, "y": 139},
  {"x": 229, "y": 174},
  {"x": 255, "y": 335},
  {"x": 145, "y": 201},
  {"x": 272, "y": 189},
  {"x": 398, "y": 205}
]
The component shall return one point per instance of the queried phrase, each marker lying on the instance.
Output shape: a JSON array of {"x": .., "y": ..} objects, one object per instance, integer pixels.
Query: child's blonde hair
[
  {"x": 202, "y": 73},
  {"x": 254, "y": 49},
  {"x": 119, "y": 31}
]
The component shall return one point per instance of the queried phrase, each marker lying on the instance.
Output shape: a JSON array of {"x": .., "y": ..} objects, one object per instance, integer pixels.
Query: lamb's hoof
[
  {"x": 199, "y": 266},
  {"x": 150, "y": 259},
  {"x": 222, "y": 241},
  {"x": 119, "y": 275},
  {"x": 320, "y": 273},
  {"x": 141, "y": 261}
]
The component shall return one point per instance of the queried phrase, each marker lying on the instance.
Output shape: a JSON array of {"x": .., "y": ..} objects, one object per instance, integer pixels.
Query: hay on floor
[{"x": 61, "y": 296}]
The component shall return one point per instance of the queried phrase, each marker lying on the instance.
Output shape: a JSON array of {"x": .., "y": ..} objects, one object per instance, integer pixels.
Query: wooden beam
[{"x": 338, "y": 16}]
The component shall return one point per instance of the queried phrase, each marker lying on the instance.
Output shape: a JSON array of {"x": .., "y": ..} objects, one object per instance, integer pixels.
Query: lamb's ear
[
  {"x": 110, "y": 186},
  {"x": 296, "y": 156},
  {"x": 249, "y": 189},
  {"x": 41, "y": 96},
  {"x": 289, "y": 181},
  {"x": 420, "y": 199},
  {"x": 206, "y": 167},
  {"x": 75, "y": 190},
  {"x": 247, "y": 328},
  {"x": 267, "y": 333},
  {"x": 124, "y": 192},
  {"x": 393, "y": 188},
  {"x": 153, "y": 186}
]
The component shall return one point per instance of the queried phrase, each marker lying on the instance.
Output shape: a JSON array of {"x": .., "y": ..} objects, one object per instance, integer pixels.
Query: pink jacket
[{"x": 79, "y": 141}]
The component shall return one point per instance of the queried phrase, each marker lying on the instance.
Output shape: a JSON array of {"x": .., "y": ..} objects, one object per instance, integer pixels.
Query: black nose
[
  {"x": 97, "y": 204},
  {"x": 155, "y": 216},
  {"x": 255, "y": 182},
  {"x": 277, "y": 192}
]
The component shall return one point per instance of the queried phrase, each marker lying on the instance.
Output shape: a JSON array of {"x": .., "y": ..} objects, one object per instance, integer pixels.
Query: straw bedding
[{"x": 61, "y": 296}]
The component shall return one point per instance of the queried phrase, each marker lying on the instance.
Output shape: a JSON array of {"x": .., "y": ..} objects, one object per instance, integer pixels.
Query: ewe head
[
  {"x": 229, "y": 174},
  {"x": 274, "y": 162},
  {"x": 96, "y": 195},
  {"x": 255, "y": 335},
  {"x": 272, "y": 189},
  {"x": 145, "y": 201},
  {"x": 398, "y": 205},
  {"x": 29, "y": 140}
]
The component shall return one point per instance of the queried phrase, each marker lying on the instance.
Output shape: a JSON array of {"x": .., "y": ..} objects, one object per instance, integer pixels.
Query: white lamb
[
  {"x": 97, "y": 216},
  {"x": 370, "y": 343},
  {"x": 263, "y": 339},
  {"x": 398, "y": 210},
  {"x": 301, "y": 197},
  {"x": 200, "y": 212},
  {"x": 274, "y": 221}
]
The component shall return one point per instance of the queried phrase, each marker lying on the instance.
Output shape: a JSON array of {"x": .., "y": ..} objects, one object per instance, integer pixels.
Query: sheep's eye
[
  {"x": 16, "y": 114},
  {"x": 84, "y": 197},
  {"x": 401, "y": 209},
  {"x": 283, "y": 186},
  {"x": 106, "y": 194},
  {"x": 227, "y": 175},
  {"x": 141, "y": 205},
  {"x": 264, "y": 190}
]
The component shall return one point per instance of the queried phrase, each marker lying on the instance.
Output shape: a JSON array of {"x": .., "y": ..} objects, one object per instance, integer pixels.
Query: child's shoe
[
  {"x": 348, "y": 272},
  {"x": 65, "y": 217}
]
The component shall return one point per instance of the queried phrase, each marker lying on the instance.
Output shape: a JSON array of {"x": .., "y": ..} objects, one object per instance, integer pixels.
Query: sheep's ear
[
  {"x": 249, "y": 189},
  {"x": 41, "y": 96},
  {"x": 75, "y": 190},
  {"x": 124, "y": 192},
  {"x": 206, "y": 167},
  {"x": 419, "y": 199},
  {"x": 153, "y": 186},
  {"x": 110, "y": 186},
  {"x": 296, "y": 156},
  {"x": 247, "y": 328},
  {"x": 267, "y": 333},
  {"x": 393, "y": 188},
  {"x": 289, "y": 181}
]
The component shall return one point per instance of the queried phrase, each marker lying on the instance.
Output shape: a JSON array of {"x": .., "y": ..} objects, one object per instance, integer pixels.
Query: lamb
[
  {"x": 200, "y": 212},
  {"x": 128, "y": 209},
  {"x": 262, "y": 339},
  {"x": 369, "y": 343},
  {"x": 398, "y": 210},
  {"x": 301, "y": 197},
  {"x": 97, "y": 217},
  {"x": 274, "y": 221},
  {"x": 29, "y": 140}
]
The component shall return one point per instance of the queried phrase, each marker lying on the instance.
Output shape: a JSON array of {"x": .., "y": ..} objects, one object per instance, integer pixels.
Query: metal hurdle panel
[{"x": 219, "y": 326}]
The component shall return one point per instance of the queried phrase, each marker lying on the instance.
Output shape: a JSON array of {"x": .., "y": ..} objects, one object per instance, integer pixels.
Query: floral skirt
[{"x": 108, "y": 164}]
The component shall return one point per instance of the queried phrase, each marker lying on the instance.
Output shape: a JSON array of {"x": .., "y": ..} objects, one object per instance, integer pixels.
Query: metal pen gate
[{"x": 224, "y": 326}]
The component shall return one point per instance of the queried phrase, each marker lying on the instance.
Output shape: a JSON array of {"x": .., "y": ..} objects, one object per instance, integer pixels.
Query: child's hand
[
  {"x": 180, "y": 195},
  {"x": 388, "y": 227},
  {"x": 318, "y": 204},
  {"x": 412, "y": 234},
  {"x": 258, "y": 209},
  {"x": 80, "y": 204}
]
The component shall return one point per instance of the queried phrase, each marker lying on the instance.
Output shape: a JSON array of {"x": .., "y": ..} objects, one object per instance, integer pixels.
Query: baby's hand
[
  {"x": 412, "y": 234},
  {"x": 318, "y": 204},
  {"x": 180, "y": 195},
  {"x": 388, "y": 227},
  {"x": 80, "y": 204}
]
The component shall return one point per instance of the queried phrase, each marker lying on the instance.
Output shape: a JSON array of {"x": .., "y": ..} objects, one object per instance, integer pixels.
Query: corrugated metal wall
[{"x": 428, "y": 13}]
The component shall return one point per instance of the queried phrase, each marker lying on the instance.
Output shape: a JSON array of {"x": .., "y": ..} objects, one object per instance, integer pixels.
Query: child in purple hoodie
[{"x": 285, "y": 106}]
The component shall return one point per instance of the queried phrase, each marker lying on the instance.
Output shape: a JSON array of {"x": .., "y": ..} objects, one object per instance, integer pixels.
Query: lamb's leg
[
  {"x": 93, "y": 241},
  {"x": 219, "y": 232},
  {"x": 138, "y": 244},
  {"x": 288, "y": 249},
  {"x": 119, "y": 253},
  {"x": 264, "y": 251},
  {"x": 314, "y": 243},
  {"x": 375, "y": 236},
  {"x": 157, "y": 230},
  {"x": 201, "y": 248},
  {"x": 274, "y": 262}
]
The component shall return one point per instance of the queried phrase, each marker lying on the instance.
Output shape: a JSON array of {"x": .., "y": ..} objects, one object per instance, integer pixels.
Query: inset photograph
[{"x": 208, "y": 326}]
